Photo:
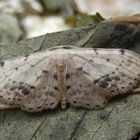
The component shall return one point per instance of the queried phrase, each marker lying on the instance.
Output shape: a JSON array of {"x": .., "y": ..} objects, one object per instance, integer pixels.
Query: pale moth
[{"x": 81, "y": 77}]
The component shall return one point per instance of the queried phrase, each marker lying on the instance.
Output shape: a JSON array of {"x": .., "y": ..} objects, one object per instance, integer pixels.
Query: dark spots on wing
[
  {"x": 135, "y": 79},
  {"x": 24, "y": 88},
  {"x": 11, "y": 89},
  {"x": 130, "y": 83},
  {"x": 116, "y": 78},
  {"x": 20, "y": 83},
  {"x": 117, "y": 89},
  {"x": 107, "y": 97},
  {"x": 39, "y": 107},
  {"x": 122, "y": 74},
  {"x": 39, "y": 77},
  {"x": 67, "y": 76},
  {"x": 52, "y": 103},
  {"x": 95, "y": 50},
  {"x": 97, "y": 106},
  {"x": 2, "y": 64},
  {"x": 117, "y": 68},
  {"x": 9, "y": 98},
  {"x": 85, "y": 72},
  {"x": 26, "y": 57},
  {"x": 111, "y": 82},
  {"x": 32, "y": 87},
  {"x": 104, "y": 102},
  {"x": 13, "y": 82},
  {"x": 25, "y": 91},
  {"x": 108, "y": 79},
  {"x": 95, "y": 81},
  {"x": 1, "y": 96},
  {"x": 74, "y": 101},
  {"x": 80, "y": 69},
  {"x": 16, "y": 68},
  {"x": 113, "y": 72},
  {"x": 55, "y": 76},
  {"x": 20, "y": 87},
  {"x": 51, "y": 94},
  {"x": 30, "y": 108},
  {"x": 103, "y": 84},
  {"x": 67, "y": 47},
  {"x": 32, "y": 65},
  {"x": 23, "y": 106},
  {"x": 79, "y": 102},
  {"x": 45, "y": 72},
  {"x": 87, "y": 104},
  {"x": 68, "y": 87},
  {"x": 122, "y": 51},
  {"x": 112, "y": 90},
  {"x": 107, "y": 59},
  {"x": 91, "y": 60},
  {"x": 56, "y": 88}
]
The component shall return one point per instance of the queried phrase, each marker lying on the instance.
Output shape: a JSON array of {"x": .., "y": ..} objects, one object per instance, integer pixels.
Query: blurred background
[{"x": 21, "y": 19}]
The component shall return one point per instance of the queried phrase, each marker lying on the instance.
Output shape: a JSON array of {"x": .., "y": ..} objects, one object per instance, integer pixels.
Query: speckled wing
[
  {"x": 25, "y": 81},
  {"x": 88, "y": 77},
  {"x": 96, "y": 75}
]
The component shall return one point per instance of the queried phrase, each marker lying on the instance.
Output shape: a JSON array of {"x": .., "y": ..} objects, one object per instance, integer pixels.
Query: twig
[{"x": 38, "y": 126}]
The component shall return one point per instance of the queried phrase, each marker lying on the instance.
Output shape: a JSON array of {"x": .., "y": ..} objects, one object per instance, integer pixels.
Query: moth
[{"x": 81, "y": 77}]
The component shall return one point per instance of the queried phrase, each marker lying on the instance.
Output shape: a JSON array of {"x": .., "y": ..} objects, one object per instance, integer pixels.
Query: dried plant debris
[
  {"x": 132, "y": 19},
  {"x": 82, "y": 77}
]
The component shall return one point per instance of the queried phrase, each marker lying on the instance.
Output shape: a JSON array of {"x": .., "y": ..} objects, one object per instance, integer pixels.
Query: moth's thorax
[{"x": 61, "y": 60}]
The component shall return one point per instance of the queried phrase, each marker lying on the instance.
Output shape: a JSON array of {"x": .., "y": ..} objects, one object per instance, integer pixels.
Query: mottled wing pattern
[
  {"x": 88, "y": 77},
  {"x": 81, "y": 92},
  {"x": 29, "y": 82},
  {"x": 96, "y": 75}
]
